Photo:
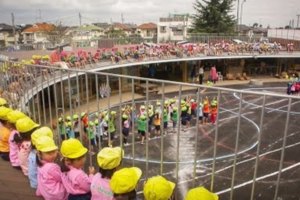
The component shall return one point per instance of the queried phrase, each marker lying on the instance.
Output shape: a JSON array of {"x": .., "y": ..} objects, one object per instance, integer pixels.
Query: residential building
[
  {"x": 128, "y": 29},
  {"x": 37, "y": 35},
  {"x": 85, "y": 36},
  {"x": 7, "y": 36},
  {"x": 173, "y": 28},
  {"x": 148, "y": 31}
]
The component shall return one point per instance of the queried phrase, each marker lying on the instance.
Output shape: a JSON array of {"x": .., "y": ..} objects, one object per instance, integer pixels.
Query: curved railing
[{"x": 247, "y": 153}]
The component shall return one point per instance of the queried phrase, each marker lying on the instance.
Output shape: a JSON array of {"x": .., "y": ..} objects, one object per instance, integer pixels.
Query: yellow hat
[
  {"x": 158, "y": 188},
  {"x": 43, "y": 131},
  {"x": 25, "y": 124},
  {"x": 14, "y": 116},
  {"x": 45, "y": 144},
  {"x": 200, "y": 193},
  {"x": 4, "y": 112},
  {"x": 72, "y": 148},
  {"x": 110, "y": 158},
  {"x": 125, "y": 180},
  {"x": 3, "y": 102}
]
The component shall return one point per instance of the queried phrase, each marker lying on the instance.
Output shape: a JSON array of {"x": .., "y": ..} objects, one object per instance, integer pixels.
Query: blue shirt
[{"x": 32, "y": 169}]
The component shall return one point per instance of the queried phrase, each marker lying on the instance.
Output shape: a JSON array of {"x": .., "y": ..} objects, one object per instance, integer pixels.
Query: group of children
[
  {"x": 151, "y": 118},
  {"x": 293, "y": 87},
  {"x": 31, "y": 148}
]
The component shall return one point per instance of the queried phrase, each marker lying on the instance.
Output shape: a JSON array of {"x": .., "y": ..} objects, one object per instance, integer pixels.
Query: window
[{"x": 163, "y": 29}]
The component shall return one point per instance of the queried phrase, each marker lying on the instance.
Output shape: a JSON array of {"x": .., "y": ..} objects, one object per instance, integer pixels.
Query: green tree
[{"x": 213, "y": 16}]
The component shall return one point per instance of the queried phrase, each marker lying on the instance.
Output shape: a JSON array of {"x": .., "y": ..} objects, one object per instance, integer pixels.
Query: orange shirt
[
  {"x": 4, "y": 137},
  {"x": 206, "y": 108},
  {"x": 156, "y": 121}
]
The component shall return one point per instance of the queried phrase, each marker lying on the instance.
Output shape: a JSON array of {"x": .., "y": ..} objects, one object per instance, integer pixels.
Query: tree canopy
[{"x": 213, "y": 16}]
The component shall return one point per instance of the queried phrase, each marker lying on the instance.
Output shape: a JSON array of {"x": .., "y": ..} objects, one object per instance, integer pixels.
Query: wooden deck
[{"x": 14, "y": 185}]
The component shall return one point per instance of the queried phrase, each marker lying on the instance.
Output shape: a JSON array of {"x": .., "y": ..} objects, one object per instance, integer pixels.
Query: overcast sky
[{"x": 266, "y": 12}]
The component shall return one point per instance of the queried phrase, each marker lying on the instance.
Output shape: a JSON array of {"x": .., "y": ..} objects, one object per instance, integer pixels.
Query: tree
[{"x": 213, "y": 16}]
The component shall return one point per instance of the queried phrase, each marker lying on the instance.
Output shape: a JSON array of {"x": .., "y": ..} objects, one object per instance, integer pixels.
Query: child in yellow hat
[
  {"x": 49, "y": 175},
  {"x": 32, "y": 164},
  {"x": 158, "y": 188},
  {"x": 75, "y": 180},
  {"x": 13, "y": 146},
  {"x": 200, "y": 193},
  {"x": 123, "y": 183},
  {"x": 4, "y": 133},
  {"x": 109, "y": 159},
  {"x": 25, "y": 127}
]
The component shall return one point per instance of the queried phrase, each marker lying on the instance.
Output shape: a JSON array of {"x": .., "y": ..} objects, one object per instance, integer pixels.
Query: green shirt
[
  {"x": 142, "y": 124},
  {"x": 174, "y": 116},
  {"x": 165, "y": 118}
]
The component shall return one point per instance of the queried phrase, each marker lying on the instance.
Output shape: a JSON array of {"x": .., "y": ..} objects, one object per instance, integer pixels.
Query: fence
[{"x": 248, "y": 153}]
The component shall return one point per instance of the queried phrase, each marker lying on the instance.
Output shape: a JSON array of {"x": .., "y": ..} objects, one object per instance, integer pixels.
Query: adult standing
[
  {"x": 201, "y": 75},
  {"x": 213, "y": 74}
]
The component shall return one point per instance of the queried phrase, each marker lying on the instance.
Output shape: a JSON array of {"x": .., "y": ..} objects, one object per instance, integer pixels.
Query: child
[
  {"x": 50, "y": 185},
  {"x": 156, "y": 122},
  {"x": 76, "y": 127},
  {"x": 109, "y": 159},
  {"x": 32, "y": 165},
  {"x": 165, "y": 120},
  {"x": 158, "y": 187},
  {"x": 125, "y": 130},
  {"x": 206, "y": 111},
  {"x": 13, "y": 146},
  {"x": 214, "y": 112},
  {"x": 3, "y": 102},
  {"x": 174, "y": 117},
  {"x": 200, "y": 113},
  {"x": 76, "y": 182},
  {"x": 124, "y": 182},
  {"x": 62, "y": 128},
  {"x": 91, "y": 136},
  {"x": 142, "y": 123},
  {"x": 200, "y": 193},
  {"x": 4, "y": 133},
  {"x": 25, "y": 127},
  {"x": 111, "y": 127}
]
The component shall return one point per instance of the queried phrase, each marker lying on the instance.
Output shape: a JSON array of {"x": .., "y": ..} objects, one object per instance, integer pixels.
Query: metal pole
[
  {"x": 88, "y": 115},
  {"x": 120, "y": 111},
  {"x": 258, "y": 146},
  {"x": 108, "y": 110},
  {"x": 43, "y": 101},
  {"x": 236, "y": 145},
  {"x": 242, "y": 9},
  {"x": 178, "y": 137},
  {"x": 49, "y": 102},
  {"x": 147, "y": 132},
  {"x": 33, "y": 98},
  {"x": 238, "y": 16},
  {"x": 133, "y": 124},
  {"x": 79, "y": 105},
  {"x": 38, "y": 98},
  {"x": 196, "y": 136},
  {"x": 215, "y": 143},
  {"x": 162, "y": 133},
  {"x": 283, "y": 148},
  {"x": 56, "y": 110},
  {"x": 98, "y": 110}
]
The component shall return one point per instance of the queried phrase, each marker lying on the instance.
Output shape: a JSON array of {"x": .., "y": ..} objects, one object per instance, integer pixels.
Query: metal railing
[{"x": 246, "y": 154}]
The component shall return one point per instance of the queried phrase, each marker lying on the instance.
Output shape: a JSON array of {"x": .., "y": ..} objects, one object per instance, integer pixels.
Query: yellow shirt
[
  {"x": 156, "y": 121},
  {"x": 4, "y": 137}
]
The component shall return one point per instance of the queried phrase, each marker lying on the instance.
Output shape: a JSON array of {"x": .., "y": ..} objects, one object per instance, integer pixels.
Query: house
[
  {"x": 37, "y": 35},
  {"x": 7, "y": 36},
  {"x": 173, "y": 28},
  {"x": 85, "y": 35},
  {"x": 128, "y": 29},
  {"x": 148, "y": 31}
]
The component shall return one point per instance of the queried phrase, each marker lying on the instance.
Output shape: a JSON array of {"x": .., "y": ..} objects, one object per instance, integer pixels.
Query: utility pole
[
  {"x": 79, "y": 19},
  {"x": 14, "y": 28},
  {"x": 122, "y": 18},
  {"x": 238, "y": 16},
  {"x": 298, "y": 17}
]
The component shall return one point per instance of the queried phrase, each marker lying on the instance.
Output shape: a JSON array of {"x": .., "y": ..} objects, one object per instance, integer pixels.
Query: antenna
[
  {"x": 79, "y": 15},
  {"x": 122, "y": 18},
  {"x": 13, "y": 26},
  {"x": 298, "y": 17}
]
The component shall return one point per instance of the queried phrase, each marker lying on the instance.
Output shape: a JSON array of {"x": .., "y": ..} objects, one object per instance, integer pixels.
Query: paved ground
[{"x": 15, "y": 186}]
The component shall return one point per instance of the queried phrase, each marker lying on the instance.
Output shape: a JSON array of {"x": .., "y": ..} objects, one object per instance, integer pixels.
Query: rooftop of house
[
  {"x": 39, "y": 27},
  {"x": 147, "y": 26}
]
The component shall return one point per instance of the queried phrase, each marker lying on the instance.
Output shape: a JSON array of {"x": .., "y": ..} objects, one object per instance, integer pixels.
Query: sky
[{"x": 275, "y": 13}]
